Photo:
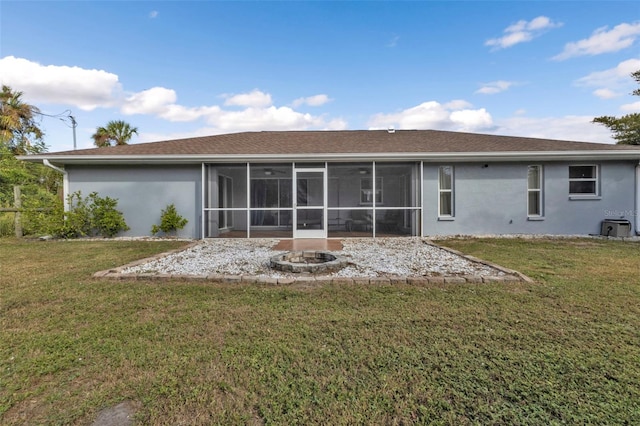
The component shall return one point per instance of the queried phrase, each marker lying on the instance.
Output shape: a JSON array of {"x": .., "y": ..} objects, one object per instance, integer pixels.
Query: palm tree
[
  {"x": 18, "y": 128},
  {"x": 118, "y": 132}
]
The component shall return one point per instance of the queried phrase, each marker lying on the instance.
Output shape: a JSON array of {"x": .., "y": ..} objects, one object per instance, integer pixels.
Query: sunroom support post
[{"x": 248, "y": 200}]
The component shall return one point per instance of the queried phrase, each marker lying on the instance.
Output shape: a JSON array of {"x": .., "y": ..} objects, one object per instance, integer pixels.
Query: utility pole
[
  {"x": 62, "y": 117},
  {"x": 74, "y": 124}
]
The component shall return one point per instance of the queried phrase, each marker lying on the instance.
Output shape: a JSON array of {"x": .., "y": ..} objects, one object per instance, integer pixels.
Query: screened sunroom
[{"x": 311, "y": 200}]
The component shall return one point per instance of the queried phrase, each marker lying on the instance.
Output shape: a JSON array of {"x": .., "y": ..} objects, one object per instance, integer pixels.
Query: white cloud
[
  {"x": 251, "y": 119},
  {"x": 522, "y": 31},
  {"x": 316, "y": 100},
  {"x": 86, "y": 89},
  {"x": 90, "y": 89},
  {"x": 468, "y": 120},
  {"x": 620, "y": 74},
  {"x": 153, "y": 14},
  {"x": 602, "y": 41},
  {"x": 630, "y": 108},
  {"x": 613, "y": 82},
  {"x": 494, "y": 87},
  {"x": 180, "y": 113},
  {"x": 457, "y": 104},
  {"x": 572, "y": 127},
  {"x": 433, "y": 115},
  {"x": 271, "y": 118},
  {"x": 605, "y": 93},
  {"x": 253, "y": 99},
  {"x": 151, "y": 101},
  {"x": 336, "y": 124}
]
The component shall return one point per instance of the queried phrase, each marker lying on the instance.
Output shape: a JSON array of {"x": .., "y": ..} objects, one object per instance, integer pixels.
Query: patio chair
[{"x": 360, "y": 220}]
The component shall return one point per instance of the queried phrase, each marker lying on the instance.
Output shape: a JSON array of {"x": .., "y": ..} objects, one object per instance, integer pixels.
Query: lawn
[{"x": 565, "y": 349}]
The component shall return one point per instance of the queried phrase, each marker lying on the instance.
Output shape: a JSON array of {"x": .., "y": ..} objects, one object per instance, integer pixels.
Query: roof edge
[{"x": 590, "y": 155}]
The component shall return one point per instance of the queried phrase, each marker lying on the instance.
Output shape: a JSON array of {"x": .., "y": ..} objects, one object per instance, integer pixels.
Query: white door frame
[{"x": 309, "y": 233}]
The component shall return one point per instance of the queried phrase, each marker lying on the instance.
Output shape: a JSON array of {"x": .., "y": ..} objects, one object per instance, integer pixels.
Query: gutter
[
  {"x": 427, "y": 157},
  {"x": 65, "y": 181}
]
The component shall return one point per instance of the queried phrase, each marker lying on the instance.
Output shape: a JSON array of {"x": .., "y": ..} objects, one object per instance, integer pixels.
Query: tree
[
  {"x": 626, "y": 129},
  {"x": 116, "y": 132},
  {"x": 19, "y": 131}
]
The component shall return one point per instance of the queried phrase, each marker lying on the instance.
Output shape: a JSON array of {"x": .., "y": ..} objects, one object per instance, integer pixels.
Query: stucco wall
[
  {"x": 488, "y": 200},
  {"x": 143, "y": 191},
  {"x": 493, "y": 200}
]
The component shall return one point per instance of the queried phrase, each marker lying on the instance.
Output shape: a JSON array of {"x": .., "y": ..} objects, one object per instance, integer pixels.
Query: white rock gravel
[{"x": 408, "y": 257}]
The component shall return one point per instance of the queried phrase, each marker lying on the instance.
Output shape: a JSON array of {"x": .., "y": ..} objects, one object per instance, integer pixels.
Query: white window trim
[
  {"x": 596, "y": 179},
  {"x": 374, "y": 191},
  {"x": 540, "y": 190},
  {"x": 451, "y": 191}
]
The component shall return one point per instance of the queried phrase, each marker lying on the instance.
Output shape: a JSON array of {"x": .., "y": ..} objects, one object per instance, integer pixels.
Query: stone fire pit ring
[{"x": 307, "y": 262}]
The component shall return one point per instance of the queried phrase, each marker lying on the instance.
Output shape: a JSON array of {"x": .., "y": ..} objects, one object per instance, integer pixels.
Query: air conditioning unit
[{"x": 616, "y": 228}]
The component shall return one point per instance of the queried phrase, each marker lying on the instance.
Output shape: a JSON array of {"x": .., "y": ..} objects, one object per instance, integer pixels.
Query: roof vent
[{"x": 391, "y": 129}]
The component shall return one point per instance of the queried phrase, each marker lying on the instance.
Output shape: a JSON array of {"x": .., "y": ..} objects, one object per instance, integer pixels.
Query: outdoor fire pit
[{"x": 307, "y": 261}]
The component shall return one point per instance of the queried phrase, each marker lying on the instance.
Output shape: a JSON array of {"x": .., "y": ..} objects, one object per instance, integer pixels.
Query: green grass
[{"x": 563, "y": 350}]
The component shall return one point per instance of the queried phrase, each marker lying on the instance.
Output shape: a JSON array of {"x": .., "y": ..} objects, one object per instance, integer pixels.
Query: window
[
  {"x": 445, "y": 190},
  {"x": 273, "y": 197},
  {"x": 271, "y": 193},
  {"x": 366, "y": 191},
  {"x": 534, "y": 191},
  {"x": 583, "y": 180}
]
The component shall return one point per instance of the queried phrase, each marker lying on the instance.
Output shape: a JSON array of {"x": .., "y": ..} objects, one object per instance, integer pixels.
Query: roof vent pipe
[{"x": 391, "y": 129}]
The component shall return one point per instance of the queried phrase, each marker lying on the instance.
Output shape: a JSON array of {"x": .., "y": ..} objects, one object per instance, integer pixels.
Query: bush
[
  {"x": 6, "y": 224},
  {"x": 104, "y": 218},
  {"x": 170, "y": 221},
  {"x": 41, "y": 208},
  {"x": 89, "y": 216}
]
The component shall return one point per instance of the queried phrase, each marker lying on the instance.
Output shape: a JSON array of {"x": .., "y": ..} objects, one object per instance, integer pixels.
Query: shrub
[
  {"x": 89, "y": 216},
  {"x": 41, "y": 209},
  {"x": 6, "y": 224},
  {"x": 170, "y": 221},
  {"x": 76, "y": 222},
  {"x": 104, "y": 218}
]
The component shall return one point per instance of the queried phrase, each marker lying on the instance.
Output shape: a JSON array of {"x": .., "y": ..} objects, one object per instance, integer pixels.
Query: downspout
[{"x": 65, "y": 181}]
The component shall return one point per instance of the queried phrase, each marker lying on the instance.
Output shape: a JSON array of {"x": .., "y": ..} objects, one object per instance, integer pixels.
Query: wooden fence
[{"x": 17, "y": 209}]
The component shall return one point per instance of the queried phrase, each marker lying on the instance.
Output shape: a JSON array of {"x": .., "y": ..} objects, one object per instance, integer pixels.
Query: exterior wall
[
  {"x": 143, "y": 191},
  {"x": 492, "y": 199},
  {"x": 487, "y": 200}
]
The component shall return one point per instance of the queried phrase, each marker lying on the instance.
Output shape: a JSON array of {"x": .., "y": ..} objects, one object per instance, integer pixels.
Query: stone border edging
[
  {"x": 474, "y": 259},
  {"x": 108, "y": 273},
  {"x": 511, "y": 275}
]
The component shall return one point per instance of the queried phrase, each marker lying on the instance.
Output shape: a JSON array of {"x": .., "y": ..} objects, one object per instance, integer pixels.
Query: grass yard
[{"x": 563, "y": 350}]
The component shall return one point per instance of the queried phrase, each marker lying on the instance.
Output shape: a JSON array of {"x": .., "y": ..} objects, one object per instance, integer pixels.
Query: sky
[{"x": 195, "y": 68}]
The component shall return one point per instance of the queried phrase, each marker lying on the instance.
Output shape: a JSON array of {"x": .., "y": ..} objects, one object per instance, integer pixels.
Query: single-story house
[{"x": 323, "y": 184}]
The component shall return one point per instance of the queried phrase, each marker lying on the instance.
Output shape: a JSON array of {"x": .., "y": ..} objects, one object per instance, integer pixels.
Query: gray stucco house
[{"x": 323, "y": 184}]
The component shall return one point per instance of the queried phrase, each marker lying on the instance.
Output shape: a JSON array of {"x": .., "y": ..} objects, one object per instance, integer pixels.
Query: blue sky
[{"x": 181, "y": 69}]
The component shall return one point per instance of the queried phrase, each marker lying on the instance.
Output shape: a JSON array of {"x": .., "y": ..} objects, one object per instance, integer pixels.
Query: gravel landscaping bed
[{"x": 381, "y": 257}]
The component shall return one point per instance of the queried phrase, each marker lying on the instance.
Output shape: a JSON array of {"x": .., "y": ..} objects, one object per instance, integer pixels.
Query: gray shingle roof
[{"x": 343, "y": 142}]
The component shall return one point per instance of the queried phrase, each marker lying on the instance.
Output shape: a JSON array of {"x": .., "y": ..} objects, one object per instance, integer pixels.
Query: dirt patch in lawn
[{"x": 118, "y": 415}]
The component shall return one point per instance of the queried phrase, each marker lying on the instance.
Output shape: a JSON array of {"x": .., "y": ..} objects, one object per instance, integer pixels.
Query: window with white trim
[
  {"x": 366, "y": 191},
  {"x": 445, "y": 191},
  {"x": 583, "y": 180},
  {"x": 534, "y": 191}
]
